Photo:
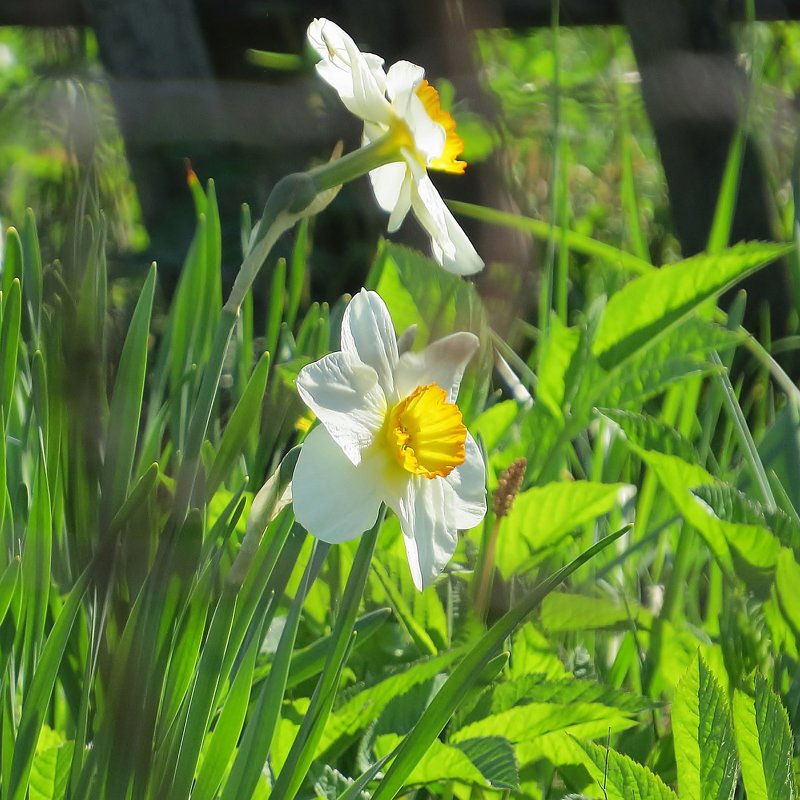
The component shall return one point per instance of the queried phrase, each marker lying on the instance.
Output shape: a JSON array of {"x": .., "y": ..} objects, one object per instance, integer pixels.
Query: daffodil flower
[
  {"x": 402, "y": 105},
  {"x": 390, "y": 433}
]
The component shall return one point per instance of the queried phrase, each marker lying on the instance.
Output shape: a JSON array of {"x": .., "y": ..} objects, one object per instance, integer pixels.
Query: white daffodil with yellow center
[
  {"x": 391, "y": 433},
  {"x": 402, "y": 104}
]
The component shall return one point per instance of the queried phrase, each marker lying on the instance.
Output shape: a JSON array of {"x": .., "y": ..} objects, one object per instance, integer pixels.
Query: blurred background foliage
[{"x": 547, "y": 108}]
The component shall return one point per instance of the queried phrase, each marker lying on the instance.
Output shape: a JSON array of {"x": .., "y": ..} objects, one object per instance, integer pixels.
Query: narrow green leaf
[
  {"x": 9, "y": 342},
  {"x": 32, "y": 273},
  {"x": 126, "y": 406},
  {"x": 297, "y": 273},
  {"x": 260, "y": 731},
  {"x": 277, "y": 299},
  {"x": 8, "y": 583},
  {"x": 36, "y": 565},
  {"x": 222, "y": 743},
  {"x": 576, "y": 242},
  {"x": 704, "y": 746},
  {"x": 37, "y": 700},
  {"x": 650, "y": 305},
  {"x": 12, "y": 260},
  {"x": 305, "y": 743},
  {"x": 202, "y": 696},
  {"x": 405, "y": 615},
  {"x": 244, "y": 418},
  {"x": 720, "y": 234}
]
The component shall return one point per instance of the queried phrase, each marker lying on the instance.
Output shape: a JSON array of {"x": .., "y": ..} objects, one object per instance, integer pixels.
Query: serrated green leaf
[
  {"x": 577, "y": 612},
  {"x": 704, "y": 746},
  {"x": 651, "y": 304},
  {"x": 543, "y": 515},
  {"x": 765, "y": 745},
  {"x": 494, "y": 757},
  {"x": 651, "y": 433},
  {"x": 622, "y": 777},
  {"x": 50, "y": 772},
  {"x": 679, "y": 354}
]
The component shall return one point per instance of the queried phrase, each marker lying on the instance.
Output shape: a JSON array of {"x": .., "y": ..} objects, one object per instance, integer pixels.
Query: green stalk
[
  {"x": 305, "y": 743},
  {"x": 293, "y": 197}
]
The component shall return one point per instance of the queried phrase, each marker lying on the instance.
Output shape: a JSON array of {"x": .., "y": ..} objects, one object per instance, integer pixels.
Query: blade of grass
[
  {"x": 37, "y": 698},
  {"x": 126, "y": 407},
  {"x": 244, "y": 417},
  {"x": 305, "y": 743},
  {"x": 258, "y": 736},
  {"x": 539, "y": 229}
]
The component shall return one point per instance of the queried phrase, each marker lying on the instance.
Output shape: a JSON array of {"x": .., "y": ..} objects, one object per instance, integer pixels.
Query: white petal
[
  {"x": 333, "y": 499},
  {"x": 402, "y": 80},
  {"x": 467, "y": 482},
  {"x": 403, "y": 203},
  {"x": 443, "y": 362},
  {"x": 346, "y": 396},
  {"x": 429, "y": 530},
  {"x": 368, "y": 334},
  {"x": 357, "y": 77},
  {"x": 429, "y": 136},
  {"x": 387, "y": 183},
  {"x": 451, "y": 247}
]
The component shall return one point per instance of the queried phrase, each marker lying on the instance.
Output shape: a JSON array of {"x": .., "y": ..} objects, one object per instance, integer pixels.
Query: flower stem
[{"x": 383, "y": 150}]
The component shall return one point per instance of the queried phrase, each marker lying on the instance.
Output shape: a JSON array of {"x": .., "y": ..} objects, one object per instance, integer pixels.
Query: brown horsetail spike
[{"x": 508, "y": 486}]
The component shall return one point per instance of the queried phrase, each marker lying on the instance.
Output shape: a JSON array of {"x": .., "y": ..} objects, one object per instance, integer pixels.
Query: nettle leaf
[
  {"x": 441, "y": 762},
  {"x": 704, "y": 746},
  {"x": 650, "y": 305},
  {"x": 557, "y": 352},
  {"x": 650, "y": 433},
  {"x": 622, "y": 777},
  {"x": 787, "y": 579},
  {"x": 364, "y": 707},
  {"x": 679, "y": 354},
  {"x": 542, "y": 516},
  {"x": 494, "y": 757},
  {"x": 731, "y": 505},
  {"x": 750, "y": 551},
  {"x": 563, "y": 612},
  {"x": 50, "y": 772},
  {"x": 534, "y": 689},
  {"x": 765, "y": 745},
  {"x": 523, "y": 723},
  {"x": 329, "y": 783},
  {"x": 493, "y": 424}
]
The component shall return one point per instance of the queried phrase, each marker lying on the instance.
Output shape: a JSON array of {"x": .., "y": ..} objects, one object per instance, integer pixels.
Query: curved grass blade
[
  {"x": 304, "y": 746},
  {"x": 37, "y": 699},
  {"x": 244, "y": 417},
  {"x": 126, "y": 406},
  {"x": 441, "y": 708},
  {"x": 257, "y": 739}
]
